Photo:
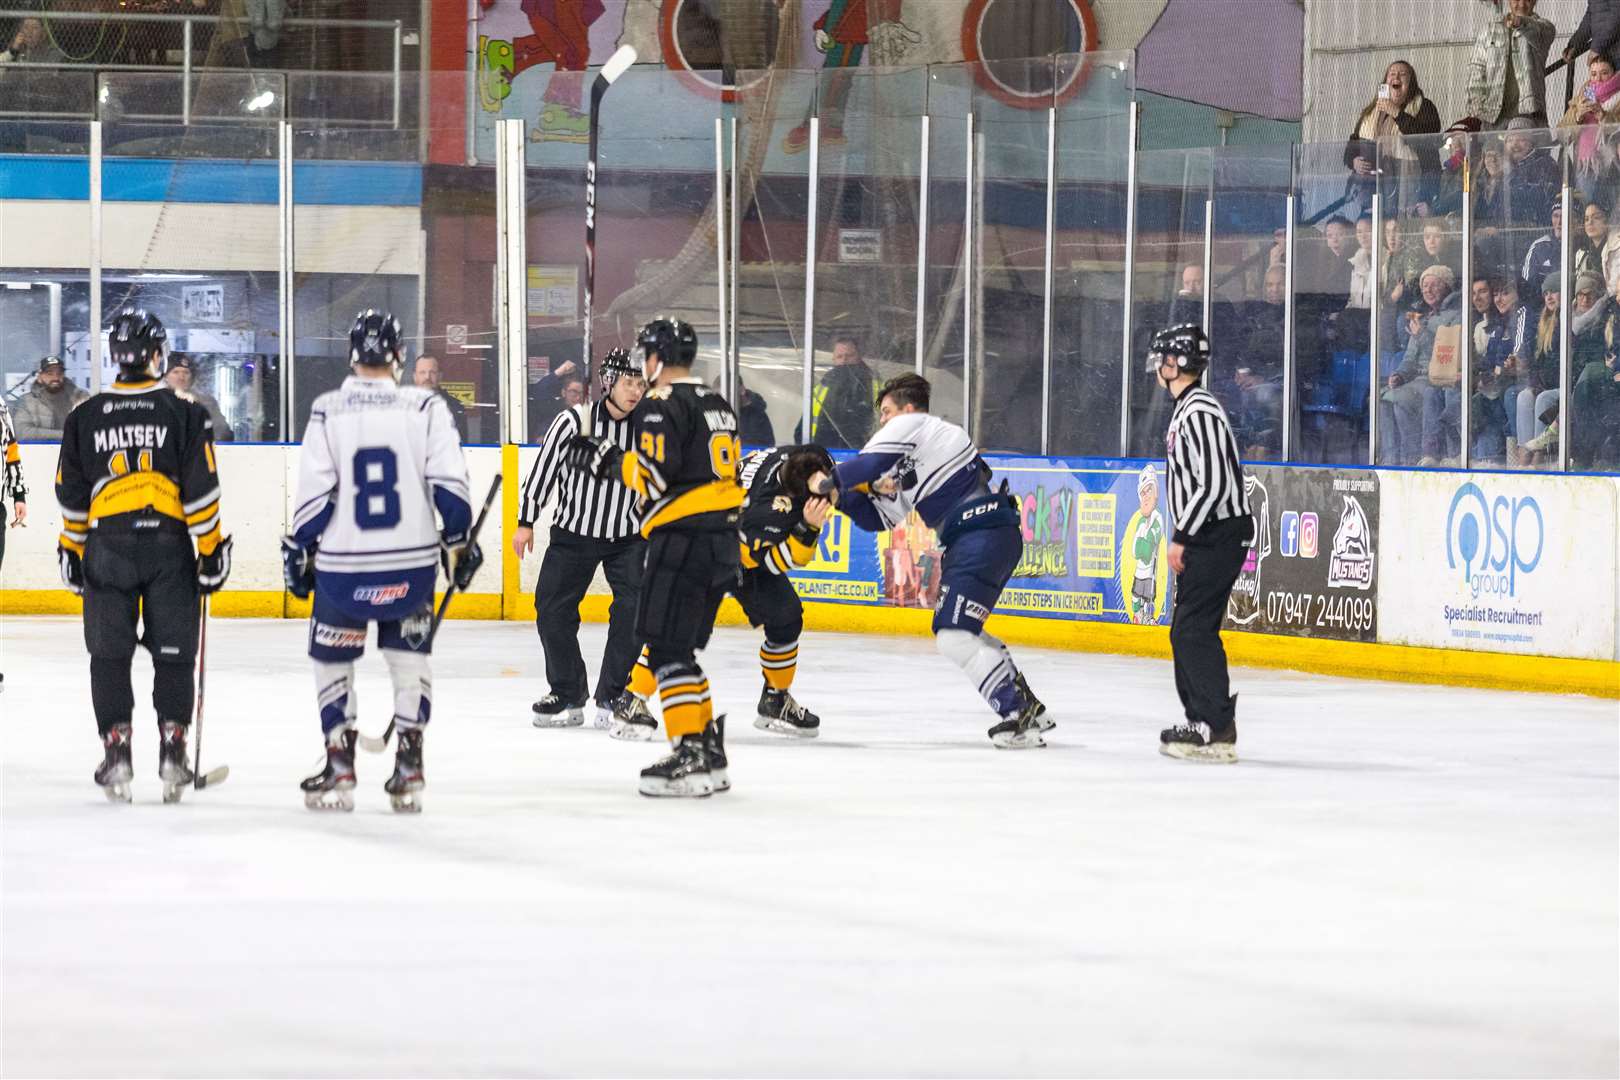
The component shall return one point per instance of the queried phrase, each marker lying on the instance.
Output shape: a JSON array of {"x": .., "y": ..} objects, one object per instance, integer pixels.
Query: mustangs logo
[{"x": 1351, "y": 563}]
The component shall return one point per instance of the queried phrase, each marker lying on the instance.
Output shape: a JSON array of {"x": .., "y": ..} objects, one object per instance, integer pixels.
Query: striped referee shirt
[
  {"x": 586, "y": 506},
  {"x": 1201, "y": 461}
]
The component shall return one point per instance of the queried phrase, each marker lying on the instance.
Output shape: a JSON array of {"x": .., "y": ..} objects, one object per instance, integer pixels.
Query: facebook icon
[{"x": 1290, "y": 534}]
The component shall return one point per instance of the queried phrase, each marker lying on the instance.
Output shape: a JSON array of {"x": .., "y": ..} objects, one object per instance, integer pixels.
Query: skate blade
[
  {"x": 1219, "y": 754},
  {"x": 778, "y": 726},
  {"x": 571, "y": 718},
  {"x": 337, "y": 799},
  {"x": 1044, "y": 721},
  {"x": 720, "y": 780},
  {"x": 687, "y": 787},
  {"x": 632, "y": 732},
  {"x": 602, "y": 720},
  {"x": 409, "y": 802},
  {"x": 117, "y": 792},
  {"x": 173, "y": 791},
  {"x": 1027, "y": 740}
]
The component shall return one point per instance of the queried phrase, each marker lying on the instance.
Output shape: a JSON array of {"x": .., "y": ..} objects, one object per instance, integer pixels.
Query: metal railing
[{"x": 188, "y": 68}]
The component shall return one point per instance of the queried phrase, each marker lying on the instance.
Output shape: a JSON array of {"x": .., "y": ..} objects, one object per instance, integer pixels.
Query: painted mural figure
[
  {"x": 843, "y": 33},
  {"x": 559, "y": 35},
  {"x": 1145, "y": 546}
]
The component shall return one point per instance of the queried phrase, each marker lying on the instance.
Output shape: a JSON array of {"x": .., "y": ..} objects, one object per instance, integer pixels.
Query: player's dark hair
[
  {"x": 802, "y": 463},
  {"x": 908, "y": 389}
]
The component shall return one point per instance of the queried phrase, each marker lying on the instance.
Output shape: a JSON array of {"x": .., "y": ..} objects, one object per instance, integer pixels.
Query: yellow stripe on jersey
[
  {"x": 714, "y": 496},
  {"x": 138, "y": 491}
]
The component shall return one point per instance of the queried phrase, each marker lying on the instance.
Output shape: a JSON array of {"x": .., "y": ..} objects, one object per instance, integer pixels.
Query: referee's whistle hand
[
  {"x": 522, "y": 540},
  {"x": 1178, "y": 557}
]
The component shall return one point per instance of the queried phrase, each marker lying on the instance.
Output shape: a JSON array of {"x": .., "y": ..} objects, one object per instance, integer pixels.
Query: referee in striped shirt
[
  {"x": 1209, "y": 513},
  {"x": 596, "y": 523}
]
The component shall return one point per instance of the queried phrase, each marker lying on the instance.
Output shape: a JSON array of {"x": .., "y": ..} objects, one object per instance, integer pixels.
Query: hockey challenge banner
[{"x": 1095, "y": 548}]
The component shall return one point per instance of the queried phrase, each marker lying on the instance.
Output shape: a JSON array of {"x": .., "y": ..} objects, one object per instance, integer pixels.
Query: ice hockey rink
[{"x": 1395, "y": 880}]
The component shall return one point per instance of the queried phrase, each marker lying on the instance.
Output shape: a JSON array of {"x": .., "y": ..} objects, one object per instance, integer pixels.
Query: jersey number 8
[{"x": 376, "y": 488}]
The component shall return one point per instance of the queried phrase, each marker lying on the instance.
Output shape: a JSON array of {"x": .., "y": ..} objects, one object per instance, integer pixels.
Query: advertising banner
[
  {"x": 1499, "y": 562},
  {"x": 1313, "y": 569},
  {"x": 1095, "y": 548}
]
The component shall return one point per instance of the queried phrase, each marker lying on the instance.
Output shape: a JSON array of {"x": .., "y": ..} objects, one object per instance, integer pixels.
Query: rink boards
[{"x": 1497, "y": 579}]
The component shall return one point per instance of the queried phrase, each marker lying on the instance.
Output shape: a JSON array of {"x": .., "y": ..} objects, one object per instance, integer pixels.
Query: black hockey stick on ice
[
  {"x": 617, "y": 64},
  {"x": 377, "y": 746},
  {"x": 216, "y": 776}
]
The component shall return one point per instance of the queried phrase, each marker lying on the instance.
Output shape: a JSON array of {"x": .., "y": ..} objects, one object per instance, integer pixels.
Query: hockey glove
[
  {"x": 596, "y": 457},
  {"x": 298, "y": 567},
  {"x": 72, "y": 569},
  {"x": 460, "y": 559},
  {"x": 214, "y": 568}
]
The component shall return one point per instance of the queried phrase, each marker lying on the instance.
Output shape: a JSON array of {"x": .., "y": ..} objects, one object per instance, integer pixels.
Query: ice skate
[
  {"x": 602, "y": 715},
  {"x": 174, "y": 767},
  {"x": 1043, "y": 722},
  {"x": 714, "y": 743},
  {"x": 1020, "y": 730},
  {"x": 552, "y": 711},
  {"x": 1215, "y": 743},
  {"x": 405, "y": 786},
  {"x": 781, "y": 713},
  {"x": 333, "y": 787},
  {"x": 632, "y": 720},
  {"x": 116, "y": 770},
  {"x": 684, "y": 773}
]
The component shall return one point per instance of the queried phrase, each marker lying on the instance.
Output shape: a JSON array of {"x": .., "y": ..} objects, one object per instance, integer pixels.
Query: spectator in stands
[
  {"x": 31, "y": 45},
  {"x": 842, "y": 412},
  {"x": 1483, "y": 318},
  {"x": 1589, "y": 245},
  {"x": 1490, "y": 189},
  {"x": 1403, "y": 396},
  {"x": 1599, "y": 32},
  {"x": 1404, "y": 262},
  {"x": 1595, "y": 403},
  {"x": 1361, "y": 265},
  {"x": 1188, "y": 305},
  {"x": 753, "y": 419},
  {"x": 559, "y": 390},
  {"x": 1385, "y": 134},
  {"x": 43, "y": 410},
  {"x": 181, "y": 375},
  {"x": 1257, "y": 374},
  {"x": 1538, "y": 375},
  {"x": 1597, "y": 103},
  {"x": 428, "y": 376},
  {"x": 1505, "y": 70},
  {"x": 1545, "y": 255},
  {"x": 1498, "y": 372},
  {"x": 1534, "y": 177}
]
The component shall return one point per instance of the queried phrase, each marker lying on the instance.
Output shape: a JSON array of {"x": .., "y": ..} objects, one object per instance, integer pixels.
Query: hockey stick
[
  {"x": 617, "y": 64},
  {"x": 378, "y": 745},
  {"x": 214, "y": 777}
]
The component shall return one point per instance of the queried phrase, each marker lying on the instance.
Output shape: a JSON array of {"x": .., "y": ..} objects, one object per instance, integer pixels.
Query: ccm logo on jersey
[
  {"x": 337, "y": 637},
  {"x": 380, "y": 595}
]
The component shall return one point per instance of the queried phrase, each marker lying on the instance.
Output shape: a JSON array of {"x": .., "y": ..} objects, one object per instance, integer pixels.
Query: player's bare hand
[
  {"x": 885, "y": 485},
  {"x": 1178, "y": 557},
  {"x": 816, "y": 511},
  {"x": 21, "y": 520},
  {"x": 522, "y": 540}
]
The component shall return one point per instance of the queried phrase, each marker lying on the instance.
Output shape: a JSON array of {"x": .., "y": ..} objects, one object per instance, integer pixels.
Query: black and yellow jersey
[
  {"x": 683, "y": 460},
  {"x": 772, "y": 528},
  {"x": 136, "y": 454}
]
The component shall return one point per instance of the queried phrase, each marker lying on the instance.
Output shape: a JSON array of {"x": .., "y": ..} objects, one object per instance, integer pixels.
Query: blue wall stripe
[{"x": 330, "y": 183}]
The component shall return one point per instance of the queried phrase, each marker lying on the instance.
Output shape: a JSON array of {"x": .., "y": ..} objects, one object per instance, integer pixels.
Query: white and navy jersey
[
  {"x": 586, "y": 506},
  {"x": 378, "y": 460},
  {"x": 933, "y": 463},
  {"x": 1201, "y": 458}
]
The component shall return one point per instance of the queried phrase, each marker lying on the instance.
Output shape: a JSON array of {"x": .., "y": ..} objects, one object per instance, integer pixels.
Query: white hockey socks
[
  {"x": 334, "y": 695},
  {"x": 413, "y": 687},
  {"x": 985, "y": 660}
]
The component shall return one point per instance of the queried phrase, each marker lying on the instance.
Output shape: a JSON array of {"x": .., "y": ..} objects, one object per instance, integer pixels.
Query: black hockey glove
[
  {"x": 460, "y": 559},
  {"x": 298, "y": 567},
  {"x": 596, "y": 457},
  {"x": 72, "y": 569},
  {"x": 213, "y": 569}
]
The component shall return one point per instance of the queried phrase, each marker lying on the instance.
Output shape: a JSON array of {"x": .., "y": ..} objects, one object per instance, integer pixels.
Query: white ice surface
[{"x": 1396, "y": 880}]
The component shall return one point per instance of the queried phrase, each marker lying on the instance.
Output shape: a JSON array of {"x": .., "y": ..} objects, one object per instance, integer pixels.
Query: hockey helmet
[
  {"x": 135, "y": 339},
  {"x": 1185, "y": 346},
  {"x": 376, "y": 340},
  {"x": 672, "y": 340},
  {"x": 616, "y": 365}
]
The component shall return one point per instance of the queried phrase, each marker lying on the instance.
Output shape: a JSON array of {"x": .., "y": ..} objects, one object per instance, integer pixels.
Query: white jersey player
[
  {"x": 378, "y": 460},
  {"x": 917, "y": 462}
]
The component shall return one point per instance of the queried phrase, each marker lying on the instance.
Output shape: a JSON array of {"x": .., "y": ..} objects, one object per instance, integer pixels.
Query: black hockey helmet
[
  {"x": 1187, "y": 343},
  {"x": 376, "y": 340},
  {"x": 802, "y": 463},
  {"x": 135, "y": 340},
  {"x": 617, "y": 364},
  {"x": 674, "y": 341}
]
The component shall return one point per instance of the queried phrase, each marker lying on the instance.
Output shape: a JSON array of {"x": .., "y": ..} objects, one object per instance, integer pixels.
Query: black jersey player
[
  {"x": 684, "y": 466},
  {"x": 137, "y": 484}
]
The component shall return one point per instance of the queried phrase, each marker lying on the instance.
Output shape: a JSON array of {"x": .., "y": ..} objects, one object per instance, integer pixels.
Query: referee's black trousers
[
  {"x": 565, "y": 575},
  {"x": 1212, "y": 559}
]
